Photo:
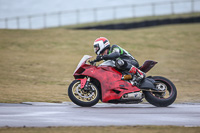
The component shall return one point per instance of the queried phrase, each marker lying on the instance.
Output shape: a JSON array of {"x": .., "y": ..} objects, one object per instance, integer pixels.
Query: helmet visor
[{"x": 96, "y": 48}]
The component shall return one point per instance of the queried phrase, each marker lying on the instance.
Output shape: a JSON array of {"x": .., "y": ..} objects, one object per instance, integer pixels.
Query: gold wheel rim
[{"x": 83, "y": 95}]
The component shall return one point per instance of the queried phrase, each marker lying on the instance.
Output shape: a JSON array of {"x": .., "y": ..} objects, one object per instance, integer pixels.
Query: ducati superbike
[{"x": 110, "y": 85}]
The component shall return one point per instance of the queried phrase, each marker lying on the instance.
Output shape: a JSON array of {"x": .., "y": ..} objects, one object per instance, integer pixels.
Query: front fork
[{"x": 85, "y": 83}]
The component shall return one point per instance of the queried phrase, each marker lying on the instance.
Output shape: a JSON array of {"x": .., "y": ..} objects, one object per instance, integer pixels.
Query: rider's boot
[{"x": 139, "y": 74}]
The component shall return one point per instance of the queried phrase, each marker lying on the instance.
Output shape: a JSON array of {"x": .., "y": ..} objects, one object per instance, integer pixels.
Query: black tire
[
  {"x": 79, "y": 99},
  {"x": 157, "y": 99}
]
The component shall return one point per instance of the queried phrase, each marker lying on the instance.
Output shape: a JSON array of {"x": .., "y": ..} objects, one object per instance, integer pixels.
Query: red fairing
[
  {"x": 83, "y": 81},
  {"x": 112, "y": 87}
]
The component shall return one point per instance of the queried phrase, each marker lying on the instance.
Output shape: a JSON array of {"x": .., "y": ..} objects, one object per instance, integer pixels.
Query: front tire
[
  {"x": 81, "y": 97},
  {"x": 165, "y": 98}
]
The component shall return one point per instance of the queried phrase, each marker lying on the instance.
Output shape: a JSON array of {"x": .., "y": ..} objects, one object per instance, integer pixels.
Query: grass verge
[{"x": 110, "y": 129}]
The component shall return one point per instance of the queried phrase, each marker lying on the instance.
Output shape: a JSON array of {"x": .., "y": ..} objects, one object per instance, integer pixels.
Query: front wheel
[
  {"x": 164, "y": 98},
  {"x": 82, "y": 97}
]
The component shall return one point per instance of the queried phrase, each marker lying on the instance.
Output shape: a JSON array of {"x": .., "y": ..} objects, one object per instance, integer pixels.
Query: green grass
[{"x": 37, "y": 65}]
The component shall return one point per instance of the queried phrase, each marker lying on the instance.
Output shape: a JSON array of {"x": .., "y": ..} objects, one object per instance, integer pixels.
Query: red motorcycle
[{"x": 104, "y": 82}]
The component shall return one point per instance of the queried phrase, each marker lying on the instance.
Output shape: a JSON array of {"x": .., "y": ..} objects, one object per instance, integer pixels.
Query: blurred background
[{"x": 32, "y": 14}]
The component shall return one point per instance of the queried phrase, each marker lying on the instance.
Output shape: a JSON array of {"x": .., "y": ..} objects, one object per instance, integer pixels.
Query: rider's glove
[
  {"x": 106, "y": 57},
  {"x": 92, "y": 62},
  {"x": 99, "y": 58}
]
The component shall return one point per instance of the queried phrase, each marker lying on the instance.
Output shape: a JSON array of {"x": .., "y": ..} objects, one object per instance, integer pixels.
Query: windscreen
[{"x": 85, "y": 57}]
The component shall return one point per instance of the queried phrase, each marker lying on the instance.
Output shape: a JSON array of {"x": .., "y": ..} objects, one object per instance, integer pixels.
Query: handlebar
[{"x": 93, "y": 62}]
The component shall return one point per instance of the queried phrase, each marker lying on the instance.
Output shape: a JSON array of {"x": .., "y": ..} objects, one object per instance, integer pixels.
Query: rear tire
[
  {"x": 81, "y": 97},
  {"x": 162, "y": 99}
]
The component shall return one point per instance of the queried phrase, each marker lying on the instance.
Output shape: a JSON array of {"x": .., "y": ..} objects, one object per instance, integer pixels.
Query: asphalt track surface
[{"x": 67, "y": 114}]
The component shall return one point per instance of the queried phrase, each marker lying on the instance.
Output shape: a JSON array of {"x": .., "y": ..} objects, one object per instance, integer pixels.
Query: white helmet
[{"x": 100, "y": 45}]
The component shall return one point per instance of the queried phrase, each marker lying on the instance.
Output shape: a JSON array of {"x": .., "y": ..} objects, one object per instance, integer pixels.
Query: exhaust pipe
[{"x": 133, "y": 96}]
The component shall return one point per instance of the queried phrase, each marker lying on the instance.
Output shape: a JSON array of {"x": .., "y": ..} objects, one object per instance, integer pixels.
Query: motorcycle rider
[{"x": 123, "y": 60}]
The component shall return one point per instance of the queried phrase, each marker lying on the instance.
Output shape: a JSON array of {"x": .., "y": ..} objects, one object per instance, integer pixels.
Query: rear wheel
[
  {"x": 167, "y": 95},
  {"x": 82, "y": 97}
]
